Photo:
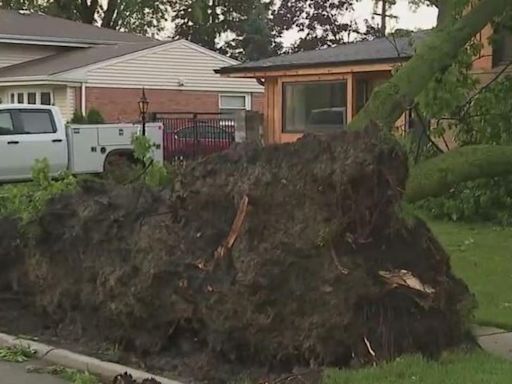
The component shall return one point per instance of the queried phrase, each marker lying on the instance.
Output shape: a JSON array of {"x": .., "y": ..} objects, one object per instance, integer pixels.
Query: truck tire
[{"x": 120, "y": 166}]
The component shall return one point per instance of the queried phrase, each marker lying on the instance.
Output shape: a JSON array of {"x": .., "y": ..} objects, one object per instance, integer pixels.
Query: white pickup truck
[{"x": 31, "y": 132}]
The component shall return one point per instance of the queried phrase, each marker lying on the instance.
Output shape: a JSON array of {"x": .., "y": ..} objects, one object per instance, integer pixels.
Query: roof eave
[
  {"x": 7, "y": 81},
  {"x": 241, "y": 71},
  {"x": 56, "y": 41}
]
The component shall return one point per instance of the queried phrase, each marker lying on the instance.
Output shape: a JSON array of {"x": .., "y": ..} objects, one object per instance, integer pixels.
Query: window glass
[
  {"x": 13, "y": 98},
  {"x": 32, "y": 98},
  {"x": 21, "y": 98},
  {"x": 315, "y": 107},
  {"x": 37, "y": 122},
  {"x": 6, "y": 125},
  {"x": 185, "y": 133},
  {"x": 233, "y": 102},
  {"x": 46, "y": 98}
]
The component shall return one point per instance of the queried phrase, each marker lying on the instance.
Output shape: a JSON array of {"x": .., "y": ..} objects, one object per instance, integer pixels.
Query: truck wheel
[{"x": 119, "y": 166}]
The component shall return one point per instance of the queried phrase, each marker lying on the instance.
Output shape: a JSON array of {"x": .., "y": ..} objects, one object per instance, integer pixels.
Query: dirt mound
[
  {"x": 292, "y": 255},
  {"x": 11, "y": 255}
]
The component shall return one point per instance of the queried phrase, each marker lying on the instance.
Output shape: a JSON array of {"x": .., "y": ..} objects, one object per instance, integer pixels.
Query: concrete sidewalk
[
  {"x": 495, "y": 341},
  {"x": 11, "y": 373}
]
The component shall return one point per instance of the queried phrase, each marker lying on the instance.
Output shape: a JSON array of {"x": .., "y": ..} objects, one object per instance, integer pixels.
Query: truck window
[
  {"x": 37, "y": 122},
  {"x": 6, "y": 125}
]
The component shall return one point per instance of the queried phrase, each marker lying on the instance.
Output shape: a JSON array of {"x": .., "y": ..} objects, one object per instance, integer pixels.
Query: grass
[
  {"x": 77, "y": 377},
  {"x": 482, "y": 256},
  {"x": 454, "y": 368},
  {"x": 73, "y": 376},
  {"x": 16, "y": 354}
]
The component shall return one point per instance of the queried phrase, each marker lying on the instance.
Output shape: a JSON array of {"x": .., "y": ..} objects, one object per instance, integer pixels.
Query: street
[{"x": 16, "y": 374}]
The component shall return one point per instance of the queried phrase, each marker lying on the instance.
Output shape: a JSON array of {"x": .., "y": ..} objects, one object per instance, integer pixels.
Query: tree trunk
[
  {"x": 437, "y": 176},
  {"x": 110, "y": 13},
  {"x": 437, "y": 52},
  {"x": 88, "y": 11}
]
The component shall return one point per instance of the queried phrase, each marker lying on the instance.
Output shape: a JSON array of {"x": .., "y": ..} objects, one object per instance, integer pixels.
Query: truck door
[
  {"x": 42, "y": 136},
  {"x": 12, "y": 163}
]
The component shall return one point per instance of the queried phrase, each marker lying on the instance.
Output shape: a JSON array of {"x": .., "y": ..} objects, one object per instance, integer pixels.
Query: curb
[{"x": 104, "y": 370}]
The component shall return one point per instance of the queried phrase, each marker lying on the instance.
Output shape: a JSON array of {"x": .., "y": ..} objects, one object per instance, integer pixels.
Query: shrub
[
  {"x": 153, "y": 174},
  {"x": 480, "y": 200},
  {"x": 27, "y": 200},
  {"x": 78, "y": 118},
  {"x": 95, "y": 117}
]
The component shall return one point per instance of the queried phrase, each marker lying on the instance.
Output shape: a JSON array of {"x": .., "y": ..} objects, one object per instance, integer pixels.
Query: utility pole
[{"x": 384, "y": 16}]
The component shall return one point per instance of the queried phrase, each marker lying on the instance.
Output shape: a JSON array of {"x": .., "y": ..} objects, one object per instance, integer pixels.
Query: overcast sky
[{"x": 424, "y": 17}]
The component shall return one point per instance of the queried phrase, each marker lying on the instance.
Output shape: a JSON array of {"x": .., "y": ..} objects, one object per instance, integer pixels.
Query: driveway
[{"x": 16, "y": 374}]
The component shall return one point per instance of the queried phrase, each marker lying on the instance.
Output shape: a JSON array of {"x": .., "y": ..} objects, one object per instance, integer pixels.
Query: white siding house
[
  {"x": 178, "y": 65},
  {"x": 75, "y": 66}
]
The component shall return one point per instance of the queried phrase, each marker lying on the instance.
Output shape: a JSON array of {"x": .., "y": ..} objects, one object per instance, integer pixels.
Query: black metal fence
[{"x": 193, "y": 135}]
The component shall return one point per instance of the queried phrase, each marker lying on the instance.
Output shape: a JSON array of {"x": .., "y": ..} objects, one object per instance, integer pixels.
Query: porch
[{"x": 60, "y": 95}]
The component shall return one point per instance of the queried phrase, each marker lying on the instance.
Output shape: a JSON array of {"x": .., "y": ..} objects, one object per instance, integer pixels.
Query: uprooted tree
[{"x": 286, "y": 255}]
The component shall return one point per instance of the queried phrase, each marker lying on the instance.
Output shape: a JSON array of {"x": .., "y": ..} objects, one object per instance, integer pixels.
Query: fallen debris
[{"x": 406, "y": 279}]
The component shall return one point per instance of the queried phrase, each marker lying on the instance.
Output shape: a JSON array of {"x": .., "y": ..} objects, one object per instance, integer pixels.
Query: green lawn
[
  {"x": 482, "y": 256},
  {"x": 454, "y": 368}
]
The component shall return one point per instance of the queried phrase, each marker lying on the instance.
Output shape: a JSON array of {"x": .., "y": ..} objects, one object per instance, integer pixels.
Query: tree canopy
[{"x": 139, "y": 16}]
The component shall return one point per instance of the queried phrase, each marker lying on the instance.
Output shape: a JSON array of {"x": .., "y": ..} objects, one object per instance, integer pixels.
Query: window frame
[
  {"x": 285, "y": 83},
  {"x": 247, "y": 97},
  {"x": 51, "y": 97},
  {"x": 29, "y": 94},
  {"x": 20, "y": 127},
  {"x": 26, "y": 91},
  {"x": 15, "y": 129}
]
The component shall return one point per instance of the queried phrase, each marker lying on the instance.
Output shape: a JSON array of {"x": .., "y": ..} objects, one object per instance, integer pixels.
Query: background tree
[
  {"x": 138, "y": 16},
  {"x": 208, "y": 22},
  {"x": 18, "y": 4},
  {"x": 321, "y": 23},
  {"x": 256, "y": 38}
]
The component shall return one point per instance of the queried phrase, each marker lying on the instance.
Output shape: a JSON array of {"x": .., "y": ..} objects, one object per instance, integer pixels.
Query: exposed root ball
[{"x": 287, "y": 255}]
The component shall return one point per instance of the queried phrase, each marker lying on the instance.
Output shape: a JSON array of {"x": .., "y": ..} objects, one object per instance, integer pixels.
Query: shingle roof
[
  {"x": 37, "y": 26},
  {"x": 381, "y": 49},
  {"x": 77, "y": 58}
]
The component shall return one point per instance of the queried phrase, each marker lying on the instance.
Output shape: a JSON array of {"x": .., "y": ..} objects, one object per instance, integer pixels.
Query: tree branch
[
  {"x": 465, "y": 107},
  {"x": 437, "y": 176}
]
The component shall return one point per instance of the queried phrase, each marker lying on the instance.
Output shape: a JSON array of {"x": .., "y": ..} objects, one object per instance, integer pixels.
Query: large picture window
[{"x": 315, "y": 106}]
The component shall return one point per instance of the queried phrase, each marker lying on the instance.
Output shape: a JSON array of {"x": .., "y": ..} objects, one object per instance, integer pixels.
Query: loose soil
[{"x": 258, "y": 260}]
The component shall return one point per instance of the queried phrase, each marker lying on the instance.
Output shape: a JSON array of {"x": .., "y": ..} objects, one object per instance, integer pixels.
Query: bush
[
  {"x": 95, "y": 117},
  {"x": 78, "y": 118},
  {"x": 27, "y": 200},
  {"x": 480, "y": 200}
]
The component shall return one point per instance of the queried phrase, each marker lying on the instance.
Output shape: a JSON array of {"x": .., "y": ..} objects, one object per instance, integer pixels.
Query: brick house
[
  {"x": 322, "y": 90},
  {"x": 48, "y": 60}
]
